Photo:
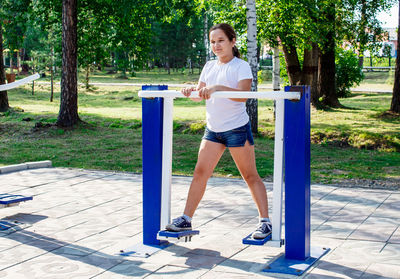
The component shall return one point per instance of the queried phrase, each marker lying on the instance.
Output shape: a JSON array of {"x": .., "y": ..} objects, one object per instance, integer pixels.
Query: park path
[{"x": 79, "y": 220}]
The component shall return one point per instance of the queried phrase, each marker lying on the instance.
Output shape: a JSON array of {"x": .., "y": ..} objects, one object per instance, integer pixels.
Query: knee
[
  {"x": 252, "y": 179},
  {"x": 201, "y": 174}
]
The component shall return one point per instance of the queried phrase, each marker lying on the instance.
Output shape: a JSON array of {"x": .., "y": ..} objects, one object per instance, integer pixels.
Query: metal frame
[
  {"x": 18, "y": 83},
  {"x": 292, "y": 148}
]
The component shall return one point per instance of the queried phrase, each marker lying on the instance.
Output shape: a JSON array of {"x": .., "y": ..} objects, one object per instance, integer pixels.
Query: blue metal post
[
  {"x": 297, "y": 175},
  {"x": 152, "y": 135}
]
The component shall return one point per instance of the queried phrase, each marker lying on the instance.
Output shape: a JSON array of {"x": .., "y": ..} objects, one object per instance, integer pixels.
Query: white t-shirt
[{"x": 224, "y": 114}]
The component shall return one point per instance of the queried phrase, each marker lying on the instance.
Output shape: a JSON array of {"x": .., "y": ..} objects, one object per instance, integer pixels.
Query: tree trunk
[
  {"x": 87, "y": 77},
  {"x": 18, "y": 62},
  {"x": 252, "y": 104},
  {"x": 52, "y": 76},
  {"x": 363, "y": 36},
  {"x": 326, "y": 63},
  {"x": 68, "y": 114},
  {"x": 310, "y": 73},
  {"x": 11, "y": 62},
  {"x": 276, "y": 78},
  {"x": 395, "y": 105},
  {"x": 4, "y": 106},
  {"x": 292, "y": 64},
  {"x": 326, "y": 78},
  {"x": 205, "y": 30}
]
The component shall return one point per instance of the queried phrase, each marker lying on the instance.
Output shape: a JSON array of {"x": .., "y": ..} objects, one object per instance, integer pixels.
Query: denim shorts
[{"x": 233, "y": 138}]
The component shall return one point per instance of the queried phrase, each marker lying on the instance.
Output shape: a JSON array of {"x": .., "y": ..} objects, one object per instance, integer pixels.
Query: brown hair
[{"x": 230, "y": 33}]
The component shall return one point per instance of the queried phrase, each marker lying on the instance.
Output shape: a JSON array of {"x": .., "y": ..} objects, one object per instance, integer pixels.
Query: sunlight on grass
[{"x": 353, "y": 142}]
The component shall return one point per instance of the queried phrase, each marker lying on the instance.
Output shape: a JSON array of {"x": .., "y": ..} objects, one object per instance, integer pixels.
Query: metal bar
[
  {"x": 152, "y": 110},
  {"x": 272, "y": 95},
  {"x": 278, "y": 172},
  {"x": 18, "y": 83},
  {"x": 166, "y": 163},
  {"x": 297, "y": 176}
]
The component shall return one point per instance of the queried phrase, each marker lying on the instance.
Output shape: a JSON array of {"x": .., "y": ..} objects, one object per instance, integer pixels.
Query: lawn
[{"x": 357, "y": 142}]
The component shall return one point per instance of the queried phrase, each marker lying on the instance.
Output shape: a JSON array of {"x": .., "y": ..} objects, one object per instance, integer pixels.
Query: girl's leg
[
  {"x": 244, "y": 158},
  {"x": 209, "y": 154}
]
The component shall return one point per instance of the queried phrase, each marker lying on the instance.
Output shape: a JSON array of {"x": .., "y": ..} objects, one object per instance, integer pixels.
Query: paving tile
[
  {"x": 51, "y": 266},
  {"x": 335, "y": 229},
  {"x": 18, "y": 254},
  {"x": 350, "y": 215},
  {"x": 390, "y": 254},
  {"x": 337, "y": 269},
  {"x": 79, "y": 220},
  {"x": 375, "y": 229},
  {"x": 395, "y": 238},
  {"x": 171, "y": 271},
  {"x": 129, "y": 269},
  {"x": 229, "y": 275},
  {"x": 196, "y": 260},
  {"x": 359, "y": 251},
  {"x": 380, "y": 270}
]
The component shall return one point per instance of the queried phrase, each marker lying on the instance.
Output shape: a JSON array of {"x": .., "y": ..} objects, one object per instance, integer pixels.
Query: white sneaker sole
[{"x": 173, "y": 228}]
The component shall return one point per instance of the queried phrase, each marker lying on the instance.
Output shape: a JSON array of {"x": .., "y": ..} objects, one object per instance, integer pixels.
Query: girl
[{"x": 227, "y": 126}]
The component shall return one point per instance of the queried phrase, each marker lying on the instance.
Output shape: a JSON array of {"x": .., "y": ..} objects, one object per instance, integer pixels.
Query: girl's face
[{"x": 220, "y": 43}]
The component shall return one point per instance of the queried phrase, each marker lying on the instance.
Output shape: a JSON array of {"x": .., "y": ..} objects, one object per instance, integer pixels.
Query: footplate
[
  {"x": 252, "y": 241},
  {"x": 7, "y": 200},
  {"x": 187, "y": 235}
]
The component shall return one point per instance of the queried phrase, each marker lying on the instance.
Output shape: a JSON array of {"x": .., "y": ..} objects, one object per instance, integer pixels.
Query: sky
[{"x": 390, "y": 19}]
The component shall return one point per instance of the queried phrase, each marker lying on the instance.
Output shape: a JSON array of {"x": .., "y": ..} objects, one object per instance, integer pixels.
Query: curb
[{"x": 25, "y": 166}]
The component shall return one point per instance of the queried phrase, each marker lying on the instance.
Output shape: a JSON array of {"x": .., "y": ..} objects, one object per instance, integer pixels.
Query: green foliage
[
  {"x": 195, "y": 128},
  {"x": 348, "y": 71},
  {"x": 14, "y": 16},
  {"x": 388, "y": 143},
  {"x": 264, "y": 75},
  {"x": 177, "y": 39}
]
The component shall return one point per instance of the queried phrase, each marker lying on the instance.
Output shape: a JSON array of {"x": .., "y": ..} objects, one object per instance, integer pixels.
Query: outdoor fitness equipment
[
  {"x": 18, "y": 83},
  {"x": 291, "y": 154},
  {"x": 7, "y": 200}
]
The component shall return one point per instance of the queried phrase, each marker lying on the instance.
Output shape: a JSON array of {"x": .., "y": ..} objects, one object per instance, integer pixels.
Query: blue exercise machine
[{"x": 291, "y": 169}]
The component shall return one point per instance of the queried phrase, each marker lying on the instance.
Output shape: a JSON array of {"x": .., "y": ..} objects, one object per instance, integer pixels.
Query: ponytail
[{"x": 235, "y": 52}]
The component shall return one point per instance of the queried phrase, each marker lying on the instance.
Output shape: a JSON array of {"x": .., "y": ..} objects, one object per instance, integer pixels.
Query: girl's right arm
[{"x": 188, "y": 90}]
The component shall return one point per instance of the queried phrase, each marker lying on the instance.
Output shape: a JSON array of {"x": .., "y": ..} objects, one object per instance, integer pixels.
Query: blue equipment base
[
  {"x": 295, "y": 267},
  {"x": 251, "y": 241},
  {"x": 7, "y": 199},
  {"x": 186, "y": 234}
]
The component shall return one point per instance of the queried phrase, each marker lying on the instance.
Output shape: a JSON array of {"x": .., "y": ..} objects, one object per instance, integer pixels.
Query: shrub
[
  {"x": 348, "y": 71},
  {"x": 264, "y": 75}
]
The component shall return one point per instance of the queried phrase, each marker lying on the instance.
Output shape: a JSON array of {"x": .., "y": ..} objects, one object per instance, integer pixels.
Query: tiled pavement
[{"x": 79, "y": 220}]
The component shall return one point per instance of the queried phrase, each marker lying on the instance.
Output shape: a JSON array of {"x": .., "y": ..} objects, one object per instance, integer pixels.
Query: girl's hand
[
  {"x": 205, "y": 92},
  {"x": 187, "y": 91}
]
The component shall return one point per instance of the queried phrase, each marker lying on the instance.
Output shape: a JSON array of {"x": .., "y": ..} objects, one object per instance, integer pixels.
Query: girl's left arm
[{"x": 243, "y": 85}]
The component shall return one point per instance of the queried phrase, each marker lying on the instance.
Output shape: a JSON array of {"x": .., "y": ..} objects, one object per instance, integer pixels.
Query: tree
[
  {"x": 4, "y": 106},
  {"x": 13, "y": 14},
  {"x": 395, "y": 105},
  {"x": 251, "y": 18},
  {"x": 326, "y": 62},
  {"x": 93, "y": 39},
  {"x": 360, "y": 25},
  {"x": 68, "y": 114}
]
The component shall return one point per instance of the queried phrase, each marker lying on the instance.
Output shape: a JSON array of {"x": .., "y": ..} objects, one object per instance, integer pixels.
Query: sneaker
[
  {"x": 179, "y": 224},
  {"x": 263, "y": 230}
]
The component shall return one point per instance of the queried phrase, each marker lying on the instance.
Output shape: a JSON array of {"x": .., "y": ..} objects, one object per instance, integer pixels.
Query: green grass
[{"x": 358, "y": 141}]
